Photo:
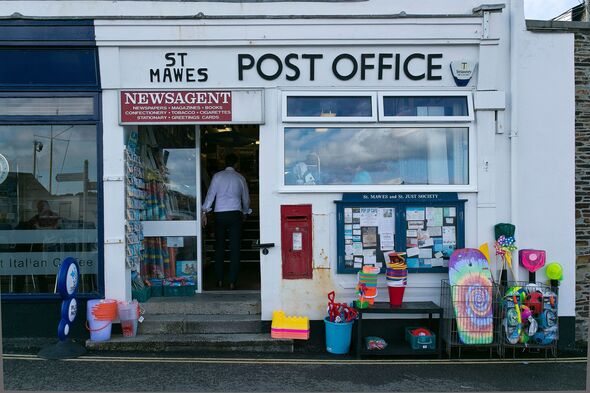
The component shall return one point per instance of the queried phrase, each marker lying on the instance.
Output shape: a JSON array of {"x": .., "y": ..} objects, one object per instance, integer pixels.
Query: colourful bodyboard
[{"x": 471, "y": 293}]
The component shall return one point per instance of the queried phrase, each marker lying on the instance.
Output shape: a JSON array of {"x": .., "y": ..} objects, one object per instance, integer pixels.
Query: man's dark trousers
[{"x": 225, "y": 221}]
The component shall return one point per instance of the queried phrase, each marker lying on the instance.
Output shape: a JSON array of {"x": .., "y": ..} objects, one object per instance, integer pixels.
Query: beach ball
[{"x": 554, "y": 271}]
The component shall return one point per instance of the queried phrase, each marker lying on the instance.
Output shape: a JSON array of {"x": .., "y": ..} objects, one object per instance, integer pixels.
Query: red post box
[{"x": 296, "y": 245}]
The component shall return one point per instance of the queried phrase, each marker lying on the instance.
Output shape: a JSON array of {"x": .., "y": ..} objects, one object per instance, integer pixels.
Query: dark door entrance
[{"x": 216, "y": 142}]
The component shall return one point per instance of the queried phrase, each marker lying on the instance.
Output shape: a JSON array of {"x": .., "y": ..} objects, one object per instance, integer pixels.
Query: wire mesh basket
[
  {"x": 472, "y": 317},
  {"x": 529, "y": 318}
]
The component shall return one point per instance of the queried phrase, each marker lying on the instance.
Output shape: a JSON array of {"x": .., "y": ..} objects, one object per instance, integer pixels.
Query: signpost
[{"x": 68, "y": 278}]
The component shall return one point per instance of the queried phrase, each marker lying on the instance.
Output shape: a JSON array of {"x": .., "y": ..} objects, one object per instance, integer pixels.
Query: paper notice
[
  {"x": 386, "y": 220},
  {"x": 297, "y": 241},
  {"x": 347, "y": 215},
  {"x": 435, "y": 231},
  {"x": 369, "y": 217},
  {"x": 369, "y": 236},
  {"x": 369, "y": 257},
  {"x": 415, "y": 224},
  {"x": 411, "y": 233},
  {"x": 428, "y": 243},
  {"x": 449, "y": 236},
  {"x": 438, "y": 254},
  {"x": 425, "y": 253},
  {"x": 357, "y": 248},
  {"x": 436, "y": 262},
  {"x": 415, "y": 213},
  {"x": 386, "y": 241},
  {"x": 434, "y": 216},
  {"x": 412, "y": 252}
]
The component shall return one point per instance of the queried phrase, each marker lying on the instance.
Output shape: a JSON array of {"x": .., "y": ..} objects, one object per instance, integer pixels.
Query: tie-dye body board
[{"x": 471, "y": 293}]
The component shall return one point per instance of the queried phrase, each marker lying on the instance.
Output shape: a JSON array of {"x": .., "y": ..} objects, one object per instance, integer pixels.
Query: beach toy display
[
  {"x": 294, "y": 327},
  {"x": 396, "y": 277},
  {"x": 339, "y": 324},
  {"x": 128, "y": 315},
  {"x": 100, "y": 314},
  {"x": 367, "y": 285},
  {"x": 472, "y": 296},
  {"x": 505, "y": 245},
  {"x": 530, "y": 315}
]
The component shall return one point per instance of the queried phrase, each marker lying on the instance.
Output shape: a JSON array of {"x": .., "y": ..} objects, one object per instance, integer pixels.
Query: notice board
[{"x": 428, "y": 227}]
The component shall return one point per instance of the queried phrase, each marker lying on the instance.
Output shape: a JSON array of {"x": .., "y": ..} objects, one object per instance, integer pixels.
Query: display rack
[
  {"x": 547, "y": 332},
  {"x": 134, "y": 203},
  {"x": 397, "y": 346},
  {"x": 451, "y": 301}
]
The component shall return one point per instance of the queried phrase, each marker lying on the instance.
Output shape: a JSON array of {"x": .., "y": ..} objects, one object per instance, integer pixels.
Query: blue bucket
[{"x": 338, "y": 336}]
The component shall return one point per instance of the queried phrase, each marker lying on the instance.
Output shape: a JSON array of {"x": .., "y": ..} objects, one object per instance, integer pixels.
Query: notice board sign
[
  {"x": 175, "y": 106},
  {"x": 428, "y": 227}
]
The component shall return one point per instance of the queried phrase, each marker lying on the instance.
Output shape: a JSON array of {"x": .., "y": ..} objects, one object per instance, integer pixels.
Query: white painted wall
[{"x": 545, "y": 204}]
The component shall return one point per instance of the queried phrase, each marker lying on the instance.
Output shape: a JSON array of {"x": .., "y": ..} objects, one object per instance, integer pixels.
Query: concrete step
[
  {"x": 218, "y": 303},
  {"x": 193, "y": 342},
  {"x": 197, "y": 324}
]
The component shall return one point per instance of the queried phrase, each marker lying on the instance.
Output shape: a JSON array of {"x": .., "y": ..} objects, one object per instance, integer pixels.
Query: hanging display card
[{"x": 432, "y": 227}]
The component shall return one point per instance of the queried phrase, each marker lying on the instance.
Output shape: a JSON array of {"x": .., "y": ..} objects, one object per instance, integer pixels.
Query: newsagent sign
[{"x": 171, "y": 107}]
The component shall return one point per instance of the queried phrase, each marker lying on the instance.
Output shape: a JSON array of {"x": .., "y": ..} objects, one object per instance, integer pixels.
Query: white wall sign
[
  {"x": 213, "y": 67},
  {"x": 38, "y": 263}
]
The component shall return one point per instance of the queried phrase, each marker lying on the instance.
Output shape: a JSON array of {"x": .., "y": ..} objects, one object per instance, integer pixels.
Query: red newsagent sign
[{"x": 180, "y": 106}]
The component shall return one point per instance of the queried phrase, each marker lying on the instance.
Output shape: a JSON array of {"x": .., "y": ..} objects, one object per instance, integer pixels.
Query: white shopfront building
[{"x": 340, "y": 86}]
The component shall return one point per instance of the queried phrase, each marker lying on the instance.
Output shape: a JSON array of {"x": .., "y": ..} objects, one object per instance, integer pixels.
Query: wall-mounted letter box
[{"x": 296, "y": 244}]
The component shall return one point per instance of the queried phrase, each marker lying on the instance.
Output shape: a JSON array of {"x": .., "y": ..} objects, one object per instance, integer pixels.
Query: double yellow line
[{"x": 295, "y": 361}]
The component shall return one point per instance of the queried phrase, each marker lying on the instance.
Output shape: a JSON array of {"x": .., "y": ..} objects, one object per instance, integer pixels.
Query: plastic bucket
[
  {"x": 100, "y": 330},
  {"x": 396, "y": 295},
  {"x": 338, "y": 336},
  {"x": 128, "y": 314}
]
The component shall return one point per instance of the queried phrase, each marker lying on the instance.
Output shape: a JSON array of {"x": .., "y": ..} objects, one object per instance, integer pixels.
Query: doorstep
[{"x": 193, "y": 342}]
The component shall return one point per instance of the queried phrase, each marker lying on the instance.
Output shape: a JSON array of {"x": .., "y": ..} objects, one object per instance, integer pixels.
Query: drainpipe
[{"x": 516, "y": 24}]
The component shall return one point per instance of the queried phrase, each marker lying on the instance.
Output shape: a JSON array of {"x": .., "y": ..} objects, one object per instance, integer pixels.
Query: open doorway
[{"x": 217, "y": 141}]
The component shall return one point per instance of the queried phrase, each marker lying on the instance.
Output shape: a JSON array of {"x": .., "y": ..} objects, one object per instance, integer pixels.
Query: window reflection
[
  {"x": 343, "y": 156},
  {"x": 425, "y": 106},
  {"x": 340, "y": 106},
  {"x": 170, "y": 172},
  {"x": 48, "y": 205}
]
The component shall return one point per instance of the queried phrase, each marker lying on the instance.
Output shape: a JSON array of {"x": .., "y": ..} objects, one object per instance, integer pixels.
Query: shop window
[
  {"x": 47, "y": 106},
  {"x": 425, "y": 107},
  {"x": 329, "y": 108},
  {"x": 376, "y": 156},
  {"x": 48, "y": 204},
  {"x": 169, "y": 172}
]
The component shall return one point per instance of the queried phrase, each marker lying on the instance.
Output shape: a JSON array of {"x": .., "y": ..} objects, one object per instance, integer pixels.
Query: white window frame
[
  {"x": 471, "y": 186},
  {"x": 317, "y": 119},
  {"x": 425, "y": 119}
]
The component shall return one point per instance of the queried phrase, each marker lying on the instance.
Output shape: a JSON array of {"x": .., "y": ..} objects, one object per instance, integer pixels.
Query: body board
[{"x": 471, "y": 294}]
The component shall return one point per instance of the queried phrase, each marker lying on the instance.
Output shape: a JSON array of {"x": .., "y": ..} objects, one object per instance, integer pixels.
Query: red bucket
[{"x": 396, "y": 295}]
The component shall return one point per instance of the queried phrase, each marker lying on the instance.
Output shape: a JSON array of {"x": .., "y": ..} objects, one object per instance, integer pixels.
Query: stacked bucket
[
  {"x": 397, "y": 277},
  {"x": 368, "y": 279}
]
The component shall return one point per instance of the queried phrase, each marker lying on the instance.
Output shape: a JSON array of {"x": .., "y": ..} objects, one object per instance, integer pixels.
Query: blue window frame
[{"x": 51, "y": 197}]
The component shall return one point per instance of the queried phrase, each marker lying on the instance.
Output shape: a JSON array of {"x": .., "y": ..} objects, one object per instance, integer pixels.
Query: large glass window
[
  {"x": 334, "y": 106},
  {"x": 374, "y": 156},
  {"x": 48, "y": 205}
]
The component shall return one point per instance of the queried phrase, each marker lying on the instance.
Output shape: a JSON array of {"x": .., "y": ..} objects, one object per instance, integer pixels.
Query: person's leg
[
  {"x": 235, "y": 232},
  {"x": 220, "y": 224}
]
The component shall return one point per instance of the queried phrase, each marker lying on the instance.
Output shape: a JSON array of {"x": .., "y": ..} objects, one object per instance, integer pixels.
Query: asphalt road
[{"x": 171, "y": 373}]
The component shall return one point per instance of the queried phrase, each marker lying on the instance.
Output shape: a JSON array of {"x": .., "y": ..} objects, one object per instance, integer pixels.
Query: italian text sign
[{"x": 181, "y": 106}]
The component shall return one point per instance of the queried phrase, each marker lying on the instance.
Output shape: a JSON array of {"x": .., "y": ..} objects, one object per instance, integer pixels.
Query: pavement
[{"x": 296, "y": 372}]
